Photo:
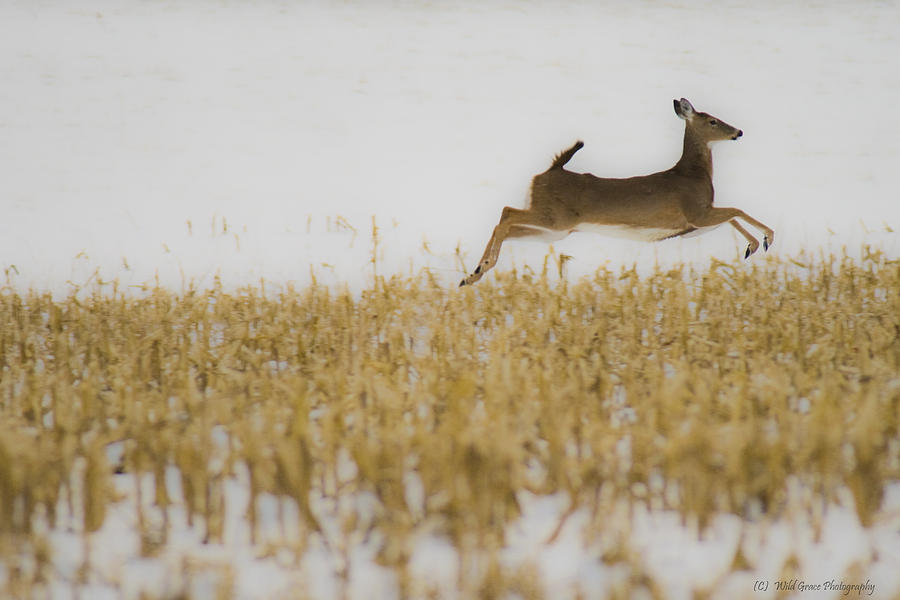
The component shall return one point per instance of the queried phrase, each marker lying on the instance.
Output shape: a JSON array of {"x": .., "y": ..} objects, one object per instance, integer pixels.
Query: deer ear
[{"x": 684, "y": 109}]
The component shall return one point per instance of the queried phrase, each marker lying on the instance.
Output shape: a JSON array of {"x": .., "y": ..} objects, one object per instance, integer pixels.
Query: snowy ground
[
  {"x": 831, "y": 547},
  {"x": 134, "y": 131},
  {"x": 185, "y": 141}
]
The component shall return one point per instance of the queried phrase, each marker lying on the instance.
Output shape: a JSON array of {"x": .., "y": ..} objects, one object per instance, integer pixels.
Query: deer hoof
[
  {"x": 747, "y": 253},
  {"x": 766, "y": 243}
]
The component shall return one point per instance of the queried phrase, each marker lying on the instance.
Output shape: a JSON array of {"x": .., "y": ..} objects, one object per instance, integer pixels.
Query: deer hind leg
[
  {"x": 514, "y": 223},
  {"x": 717, "y": 216}
]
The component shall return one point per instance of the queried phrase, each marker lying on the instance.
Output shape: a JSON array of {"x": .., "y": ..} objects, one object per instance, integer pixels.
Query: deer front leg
[
  {"x": 752, "y": 245},
  {"x": 717, "y": 216},
  {"x": 769, "y": 235}
]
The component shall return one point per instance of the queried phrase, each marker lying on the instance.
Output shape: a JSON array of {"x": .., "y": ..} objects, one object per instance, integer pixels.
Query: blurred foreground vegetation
[{"x": 704, "y": 391}]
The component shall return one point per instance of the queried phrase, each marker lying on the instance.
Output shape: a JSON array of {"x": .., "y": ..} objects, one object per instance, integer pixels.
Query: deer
[{"x": 668, "y": 204}]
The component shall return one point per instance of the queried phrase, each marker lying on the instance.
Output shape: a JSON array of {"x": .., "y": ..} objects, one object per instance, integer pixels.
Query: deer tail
[{"x": 563, "y": 157}]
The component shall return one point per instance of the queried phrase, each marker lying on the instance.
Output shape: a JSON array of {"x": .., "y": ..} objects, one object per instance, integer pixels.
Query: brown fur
[
  {"x": 662, "y": 205},
  {"x": 562, "y": 158}
]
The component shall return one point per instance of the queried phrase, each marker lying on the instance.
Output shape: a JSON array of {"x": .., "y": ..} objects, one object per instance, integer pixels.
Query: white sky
[{"x": 122, "y": 121}]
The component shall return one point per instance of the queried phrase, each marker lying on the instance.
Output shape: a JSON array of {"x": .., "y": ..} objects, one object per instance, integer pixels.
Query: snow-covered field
[
  {"x": 831, "y": 548},
  {"x": 180, "y": 142},
  {"x": 134, "y": 134}
]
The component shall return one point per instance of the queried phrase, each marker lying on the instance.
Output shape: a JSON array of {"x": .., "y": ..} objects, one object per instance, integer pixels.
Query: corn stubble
[{"x": 705, "y": 392}]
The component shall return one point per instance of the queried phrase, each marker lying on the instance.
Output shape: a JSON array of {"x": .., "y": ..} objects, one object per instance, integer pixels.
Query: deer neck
[{"x": 696, "y": 157}]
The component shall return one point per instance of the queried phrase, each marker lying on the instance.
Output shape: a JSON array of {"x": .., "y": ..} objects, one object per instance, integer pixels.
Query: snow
[
  {"x": 260, "y": 123},
  {"x": 547, "y": 537},
  {"x": 184, "y": 142}
]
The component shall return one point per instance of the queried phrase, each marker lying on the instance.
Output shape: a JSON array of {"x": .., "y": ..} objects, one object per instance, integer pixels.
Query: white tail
[{"x": 654, "y": 207}]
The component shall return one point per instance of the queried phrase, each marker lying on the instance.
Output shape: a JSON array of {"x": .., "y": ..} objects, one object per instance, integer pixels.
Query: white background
[{"x": 120, "y": 122}]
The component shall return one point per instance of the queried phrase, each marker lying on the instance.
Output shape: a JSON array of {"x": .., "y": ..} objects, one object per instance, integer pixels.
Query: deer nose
[{"x": 740, "y": 133}]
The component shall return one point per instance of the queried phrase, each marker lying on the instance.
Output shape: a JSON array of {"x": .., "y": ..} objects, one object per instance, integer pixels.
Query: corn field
[{"x": 415, "y": 410}]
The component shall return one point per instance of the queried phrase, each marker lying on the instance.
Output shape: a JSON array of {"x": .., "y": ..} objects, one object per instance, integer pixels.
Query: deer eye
[{"x": 713, "y": 122}]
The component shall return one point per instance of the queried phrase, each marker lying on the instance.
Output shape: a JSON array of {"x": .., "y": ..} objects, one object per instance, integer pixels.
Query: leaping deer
[{"x": 654, "y": 207}]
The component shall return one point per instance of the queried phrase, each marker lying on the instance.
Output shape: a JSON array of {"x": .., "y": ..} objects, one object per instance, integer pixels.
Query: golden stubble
[{"x": 703, "y": 391}]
